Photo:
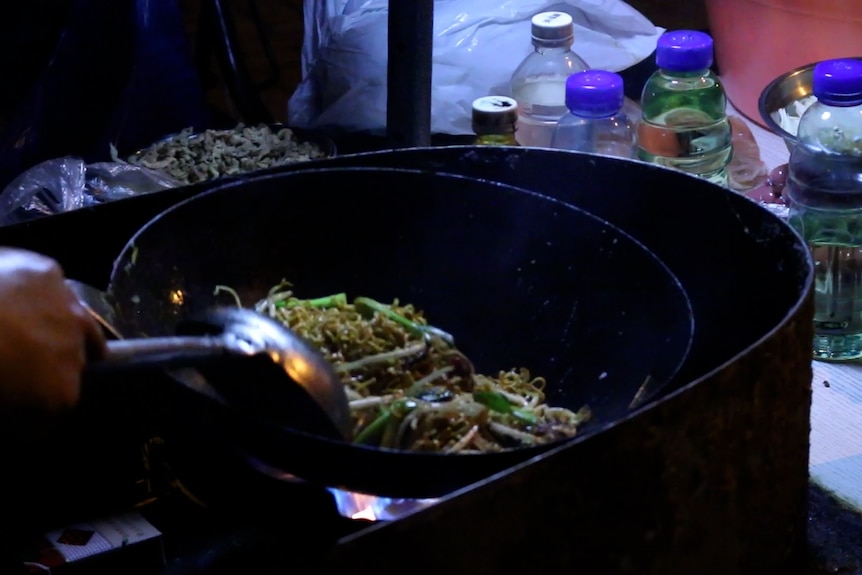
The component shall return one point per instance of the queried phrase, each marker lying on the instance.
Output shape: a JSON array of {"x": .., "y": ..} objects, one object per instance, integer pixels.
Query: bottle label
[
  {"x": 686, "y": 139},
  {"x": 683, "y": 118},
  {"x": 658, "y": 141}
]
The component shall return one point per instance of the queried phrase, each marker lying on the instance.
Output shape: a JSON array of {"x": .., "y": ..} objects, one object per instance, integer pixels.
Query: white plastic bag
[
  {"x": 477, "y": 46},
  {"x": 67, "y": 183}
]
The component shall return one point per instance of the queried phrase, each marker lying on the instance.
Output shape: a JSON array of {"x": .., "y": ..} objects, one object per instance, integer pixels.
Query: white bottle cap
[
  {"x": 494, "y": 115},
  {"x": 553, "y": 29}
]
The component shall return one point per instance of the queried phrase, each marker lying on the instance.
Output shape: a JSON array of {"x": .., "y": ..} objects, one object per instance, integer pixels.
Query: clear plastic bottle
[
  {"x": 595, "y": 122},
  {"x": 495, "y": 121},
  {"x": 824, "y": 195},
  {"x": 684, "y": 121},
  {"x": 539, "y": 83}
]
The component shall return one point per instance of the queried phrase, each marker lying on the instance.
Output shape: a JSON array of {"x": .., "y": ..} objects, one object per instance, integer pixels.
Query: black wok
[
  {"x": 723, "y": 247},
  {"x": 520, "y": 279}
]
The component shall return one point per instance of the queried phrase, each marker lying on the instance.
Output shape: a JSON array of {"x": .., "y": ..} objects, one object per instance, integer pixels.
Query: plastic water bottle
[
  {"x": 595, "y": 122},
  {"x": 495, "y": 120},
  {"x": 539, "y": 83},
  {"x": 684, "y": 123},
  {"x": 824, "y": 194}
]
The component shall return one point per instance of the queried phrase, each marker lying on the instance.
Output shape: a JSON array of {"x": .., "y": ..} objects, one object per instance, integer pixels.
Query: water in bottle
[
  {"x": 824, "y": 194},
  {"x": 684, "y": 123},
  {"x": 539, "y": 82},
  {"x": 595, "y": 122}
]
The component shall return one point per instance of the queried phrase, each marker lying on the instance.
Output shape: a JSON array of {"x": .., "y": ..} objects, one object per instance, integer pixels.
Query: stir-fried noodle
[{"x": 409, "y": 387}]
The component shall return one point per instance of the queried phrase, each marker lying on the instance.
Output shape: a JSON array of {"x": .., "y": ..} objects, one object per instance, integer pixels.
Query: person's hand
[{"x": 46, "y": 335}]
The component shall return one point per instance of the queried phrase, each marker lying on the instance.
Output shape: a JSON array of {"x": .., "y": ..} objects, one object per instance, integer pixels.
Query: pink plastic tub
[{"x": 758, "y": 40}]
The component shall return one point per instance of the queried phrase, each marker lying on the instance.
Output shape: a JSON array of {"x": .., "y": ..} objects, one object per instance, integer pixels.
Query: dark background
[{"x": 29, "y": 31}]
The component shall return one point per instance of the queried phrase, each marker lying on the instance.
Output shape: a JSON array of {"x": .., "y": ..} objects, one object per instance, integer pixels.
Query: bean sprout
[{"x": 410, "y": 388}]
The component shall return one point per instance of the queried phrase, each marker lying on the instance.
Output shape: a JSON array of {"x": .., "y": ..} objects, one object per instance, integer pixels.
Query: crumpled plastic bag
[
  {"x": 68, "y": 183},
  {"x": 477, "y": 46}
]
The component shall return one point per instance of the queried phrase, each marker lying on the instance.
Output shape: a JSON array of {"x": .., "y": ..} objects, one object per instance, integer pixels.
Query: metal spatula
[{"x": 247, "y": 361}]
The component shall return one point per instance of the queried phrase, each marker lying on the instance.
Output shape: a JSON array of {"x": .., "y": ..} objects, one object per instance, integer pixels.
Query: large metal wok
[
  {"x": 518, "y": 278},
  {"x": 711, "y": 478},
  {"x": 722, "y": 246}
]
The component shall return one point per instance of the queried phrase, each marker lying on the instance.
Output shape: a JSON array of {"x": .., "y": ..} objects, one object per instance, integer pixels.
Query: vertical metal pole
[{"x": 408, "y": 93}]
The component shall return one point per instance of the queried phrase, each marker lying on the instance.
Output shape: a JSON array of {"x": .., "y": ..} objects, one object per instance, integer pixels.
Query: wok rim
[{"x": 519, "y": 453}]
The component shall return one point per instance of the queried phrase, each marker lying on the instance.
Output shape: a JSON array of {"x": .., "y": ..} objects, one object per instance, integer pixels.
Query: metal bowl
[{"x": 781, "y": 92}]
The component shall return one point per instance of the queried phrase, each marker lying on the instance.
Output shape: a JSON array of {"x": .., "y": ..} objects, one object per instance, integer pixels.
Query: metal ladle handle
[
  {"x": 163, "y": 352},
  {"x": 242, "y": 334}
]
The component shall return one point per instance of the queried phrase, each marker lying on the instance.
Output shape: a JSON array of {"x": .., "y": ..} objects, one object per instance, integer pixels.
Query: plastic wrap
[
  {"x": 65, "y": 184},
  {"x": 477, "y": 46}
]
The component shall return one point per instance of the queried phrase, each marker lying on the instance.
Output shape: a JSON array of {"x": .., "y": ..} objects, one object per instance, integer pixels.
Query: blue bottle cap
[
  {"x": 595, "y": 93},
  {"x": 838, "y": 82},
  {"x": 684, "y": 51}
]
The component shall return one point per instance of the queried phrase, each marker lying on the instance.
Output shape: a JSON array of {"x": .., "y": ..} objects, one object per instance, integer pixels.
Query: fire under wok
[{"x": 519, "y": 279}]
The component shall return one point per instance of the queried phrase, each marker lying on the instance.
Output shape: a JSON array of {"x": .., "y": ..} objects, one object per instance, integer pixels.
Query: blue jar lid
[
  {"x": 838, "y": 82},
  {"x": 594, "y": 93},
  {"x": 684, "y": 51}
]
